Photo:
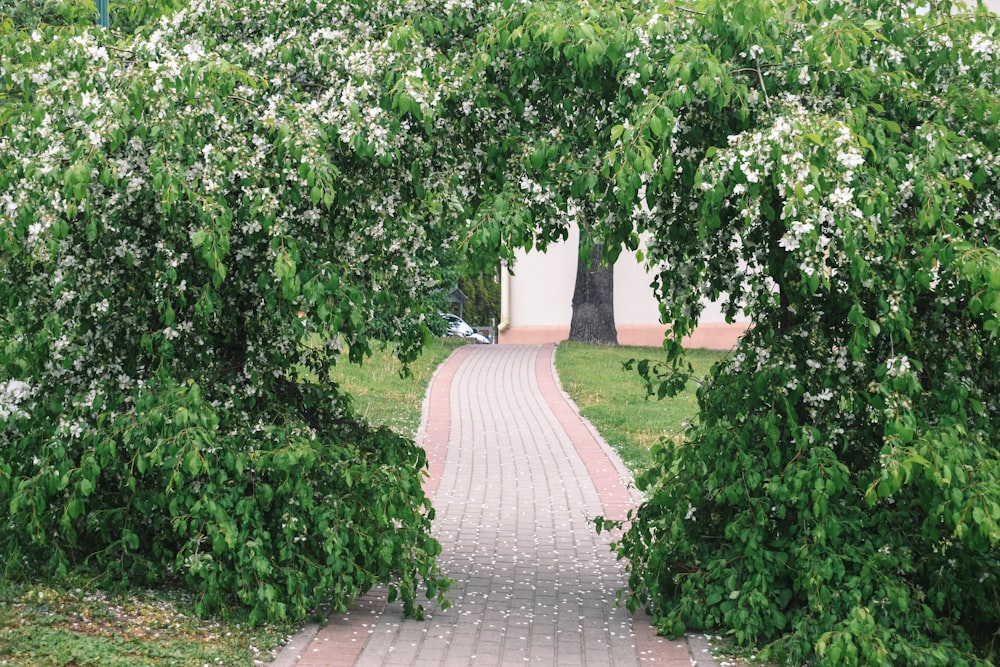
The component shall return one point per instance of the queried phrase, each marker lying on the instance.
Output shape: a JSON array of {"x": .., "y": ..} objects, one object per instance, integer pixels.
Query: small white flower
[
  {"x": 11, "y": 395},
  {"x": 842, "y": 196},
  {"x": 800, "y": 228},
  {"x": 897, "y": 366},
  {"x": 789, "y": 242},
  {"x": 850, "y": 159},
  {"x": 194, "y": 51}
]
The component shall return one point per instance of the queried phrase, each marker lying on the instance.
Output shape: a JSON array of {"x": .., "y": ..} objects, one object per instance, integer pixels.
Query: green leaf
[
  {"x": 537, "y": 158},
  {"x": 219, "y": 275},
  {"x": 557, "y": 36},
  {"x": 75, "y": 508},
  {"x": 891, "y": 125},
  {"x": 192, "y": 463},
  {"x": 656, "y": 126},
  {"x": 130, "y": 540},
  {"x": 76, "y": 174}
]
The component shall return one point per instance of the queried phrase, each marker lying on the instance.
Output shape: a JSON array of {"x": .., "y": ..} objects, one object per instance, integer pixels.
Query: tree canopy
[
  {"x": 832, "y": 170},
  {"x": 172, "y": 201}
]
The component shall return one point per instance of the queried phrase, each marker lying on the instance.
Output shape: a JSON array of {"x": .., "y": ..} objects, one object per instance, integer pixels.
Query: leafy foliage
[
  {"x": 833, "y": 170},
  {"x": 548, "y": 80},
  {"x": 171, "y": 203},
  {"x": 32, "y": 13},
  {"x": 44, "y": 15}
]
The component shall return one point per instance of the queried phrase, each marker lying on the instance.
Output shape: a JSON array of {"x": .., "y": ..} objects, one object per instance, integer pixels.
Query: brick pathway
[{"x": 515, "y": 475}]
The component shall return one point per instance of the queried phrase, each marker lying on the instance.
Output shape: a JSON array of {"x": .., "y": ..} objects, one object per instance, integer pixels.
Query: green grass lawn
[
  {"x": 44, "y": 625},
  {"x": 614, "y": 399},
  {"x": 383, "y": 396}
]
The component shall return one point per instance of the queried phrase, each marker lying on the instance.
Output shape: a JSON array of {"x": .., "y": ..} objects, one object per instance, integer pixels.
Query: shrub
[
  {"x": 189, "y": 226},
  {"x": 831, "y": 170},
  {"x": 299, "y": 506}
]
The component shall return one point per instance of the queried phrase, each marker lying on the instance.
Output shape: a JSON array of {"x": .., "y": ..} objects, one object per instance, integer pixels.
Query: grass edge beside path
[
  {"x": 614, "y": 400},
  {"x": 67, "y": 623},
  {"x": 385, "y": 398}
]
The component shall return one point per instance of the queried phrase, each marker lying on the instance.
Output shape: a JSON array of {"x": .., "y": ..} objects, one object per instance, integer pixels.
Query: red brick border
[
  {"x": 342, "y": 640},
  {"x": 615, "y": 499}
]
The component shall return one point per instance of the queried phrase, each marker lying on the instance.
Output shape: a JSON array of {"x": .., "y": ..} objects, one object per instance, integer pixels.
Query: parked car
[
  {"x": 458, "y": 328},
  {"x": 479, "y": 338}
]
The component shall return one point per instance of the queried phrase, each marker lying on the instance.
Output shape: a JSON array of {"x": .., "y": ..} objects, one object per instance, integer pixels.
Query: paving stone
[{"x": 515, "y": 476}]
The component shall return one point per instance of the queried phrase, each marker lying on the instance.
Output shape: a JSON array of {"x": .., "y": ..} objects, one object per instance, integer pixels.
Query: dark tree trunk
[{"x": 594, "y": 301}]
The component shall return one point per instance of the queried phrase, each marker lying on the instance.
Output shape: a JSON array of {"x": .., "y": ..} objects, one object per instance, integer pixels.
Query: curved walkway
[{"x": 515, "y": 475}]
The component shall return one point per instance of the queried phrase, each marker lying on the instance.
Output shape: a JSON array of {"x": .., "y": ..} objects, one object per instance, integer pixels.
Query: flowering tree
[
  {"x": 547, "y": 76},
  {"x": 831, "y": 169},
  {"x": 180, "y": 212}
]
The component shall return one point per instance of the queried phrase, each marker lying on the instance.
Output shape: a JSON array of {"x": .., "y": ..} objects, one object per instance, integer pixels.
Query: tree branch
[{"x": 763, "y": 88}]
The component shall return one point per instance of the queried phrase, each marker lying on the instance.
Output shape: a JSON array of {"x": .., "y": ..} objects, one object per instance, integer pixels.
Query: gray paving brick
[{"x": 513, "y": 492}]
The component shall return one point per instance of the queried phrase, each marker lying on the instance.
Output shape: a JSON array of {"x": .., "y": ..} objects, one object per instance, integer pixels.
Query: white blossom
[{"x": 12, "y": 394}]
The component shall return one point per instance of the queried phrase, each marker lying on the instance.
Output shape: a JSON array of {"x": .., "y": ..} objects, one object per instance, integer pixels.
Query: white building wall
[
  {"x": 541, "y": 287},
  {"x": 538, "y": 302}
]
